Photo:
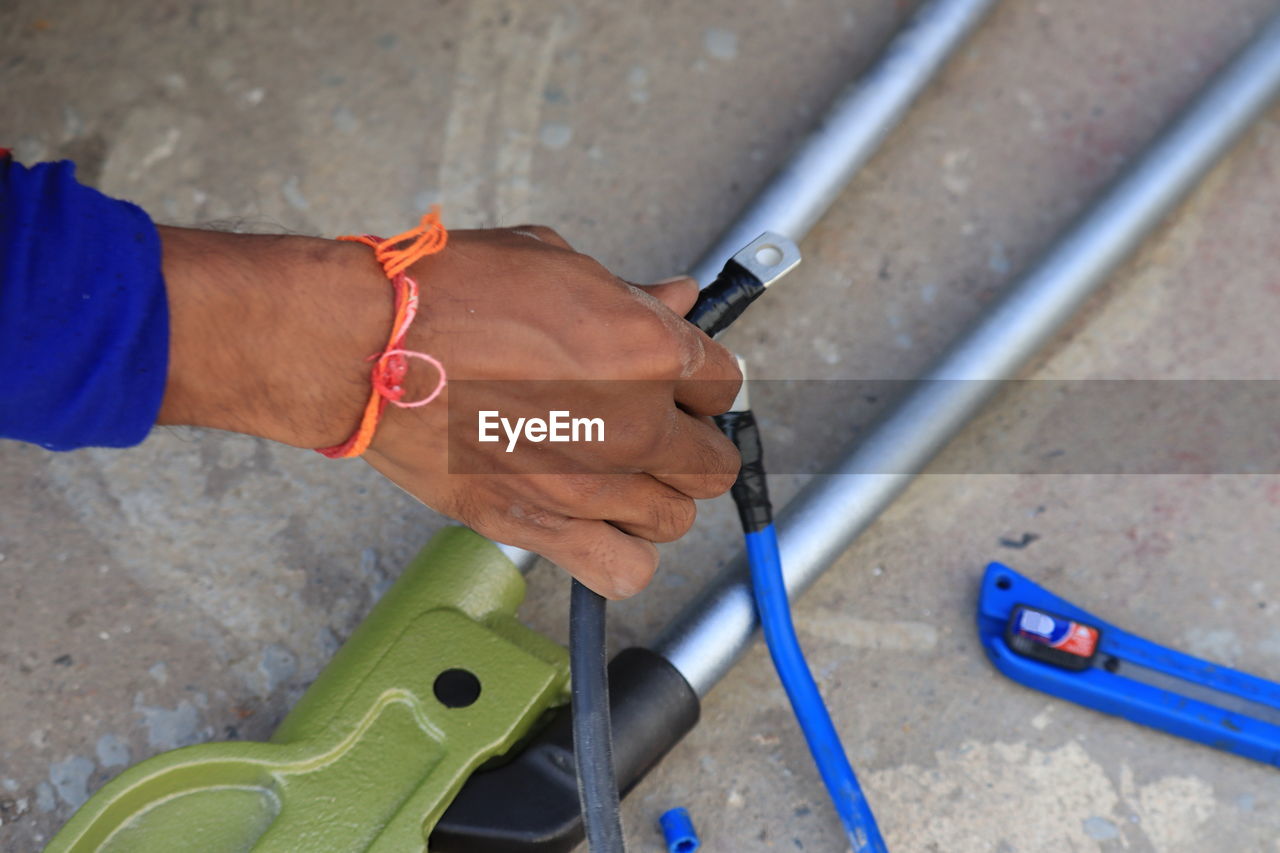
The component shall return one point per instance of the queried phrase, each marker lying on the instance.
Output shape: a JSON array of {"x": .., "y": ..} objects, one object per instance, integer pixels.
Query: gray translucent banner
[{"x": 1216, "y": 426}]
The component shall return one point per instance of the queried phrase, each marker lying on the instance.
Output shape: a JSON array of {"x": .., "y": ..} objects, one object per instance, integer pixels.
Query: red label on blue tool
[{"x": 1051, "y": 638}]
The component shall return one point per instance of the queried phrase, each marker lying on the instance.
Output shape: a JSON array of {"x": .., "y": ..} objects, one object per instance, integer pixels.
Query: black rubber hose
[{"x": 592, "y": 735}]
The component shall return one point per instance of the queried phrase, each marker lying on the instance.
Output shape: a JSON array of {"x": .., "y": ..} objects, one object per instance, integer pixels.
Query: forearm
[
  {"x": 270, "y": 334},
  {"x": 109, "y": 325}
]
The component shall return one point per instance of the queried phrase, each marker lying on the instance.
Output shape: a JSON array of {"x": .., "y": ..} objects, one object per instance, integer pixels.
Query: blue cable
[
  {"x": 784, "y": 647},
  {"x": 751, "y": 496}
]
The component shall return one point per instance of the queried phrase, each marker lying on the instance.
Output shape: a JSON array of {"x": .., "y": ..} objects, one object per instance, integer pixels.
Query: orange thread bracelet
[{"x": 390, "y": 366}]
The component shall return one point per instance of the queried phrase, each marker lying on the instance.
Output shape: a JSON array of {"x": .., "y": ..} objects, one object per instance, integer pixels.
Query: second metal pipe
[{"x": 713, "y": 631}]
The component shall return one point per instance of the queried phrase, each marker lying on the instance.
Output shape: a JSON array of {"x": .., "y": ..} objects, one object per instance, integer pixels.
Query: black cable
[
  {"x": 718, "y": 305},
  {"x": 592, "y": 737}
]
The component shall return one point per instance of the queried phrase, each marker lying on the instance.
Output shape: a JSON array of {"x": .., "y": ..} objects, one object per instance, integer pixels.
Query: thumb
[{"x": 677, "y": 293}]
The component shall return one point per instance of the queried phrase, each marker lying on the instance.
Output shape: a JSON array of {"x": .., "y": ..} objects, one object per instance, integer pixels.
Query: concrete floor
[{"x": 190, "y": 589}]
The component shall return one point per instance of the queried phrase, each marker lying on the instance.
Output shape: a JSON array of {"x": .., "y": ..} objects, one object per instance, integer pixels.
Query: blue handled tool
[{"x": 1046, "y": 642}]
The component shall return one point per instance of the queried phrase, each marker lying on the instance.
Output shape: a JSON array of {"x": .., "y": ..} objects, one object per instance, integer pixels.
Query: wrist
[{"x": 269, "y": 335}]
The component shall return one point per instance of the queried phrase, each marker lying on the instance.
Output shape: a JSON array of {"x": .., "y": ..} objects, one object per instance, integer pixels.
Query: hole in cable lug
[{"x": 769, "y": 256}]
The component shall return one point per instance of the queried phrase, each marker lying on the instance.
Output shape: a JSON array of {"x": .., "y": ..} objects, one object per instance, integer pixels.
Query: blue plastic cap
[{"x": 677, "y": 829}]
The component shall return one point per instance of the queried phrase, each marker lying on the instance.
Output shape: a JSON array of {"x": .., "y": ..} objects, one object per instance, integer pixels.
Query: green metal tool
[{"x": 439, "y": 679}]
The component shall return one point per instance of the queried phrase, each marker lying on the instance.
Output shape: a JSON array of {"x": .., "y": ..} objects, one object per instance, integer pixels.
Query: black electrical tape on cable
[
  {"x": 592, "y": 739},
  {"x": 724, "y": 300},
  {"x": 751, "y": 490}
]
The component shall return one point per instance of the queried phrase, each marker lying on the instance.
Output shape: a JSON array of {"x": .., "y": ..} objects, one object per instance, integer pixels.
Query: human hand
[{"x": 504, "y": 310}]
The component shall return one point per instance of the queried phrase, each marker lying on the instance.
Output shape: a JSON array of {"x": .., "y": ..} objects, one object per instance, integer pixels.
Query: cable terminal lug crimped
[{"x": 768, "y": 257}]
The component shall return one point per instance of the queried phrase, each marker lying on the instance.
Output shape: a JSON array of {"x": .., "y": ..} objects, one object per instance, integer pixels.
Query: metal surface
[
  {"x": 850, "y": 132},
  {"x": 524, "y": 560},
  {"x": 742, "y": 402},
  {"x": 715, "y": 628},
  {"x": 769, "y": 257}
]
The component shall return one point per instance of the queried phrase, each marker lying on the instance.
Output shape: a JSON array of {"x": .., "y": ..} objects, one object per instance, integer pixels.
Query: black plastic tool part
[{"x": 530, "y": 804}]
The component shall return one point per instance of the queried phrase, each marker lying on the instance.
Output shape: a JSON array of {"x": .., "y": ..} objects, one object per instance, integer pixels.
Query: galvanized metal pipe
[
  {"x": 714, "y": 630},
  {"x": 846, "y": 137},
  {"x": 850, "y": 131}
]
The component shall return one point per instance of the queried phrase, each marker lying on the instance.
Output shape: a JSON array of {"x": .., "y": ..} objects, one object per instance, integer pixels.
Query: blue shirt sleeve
[{"x": 84, "y": 322}]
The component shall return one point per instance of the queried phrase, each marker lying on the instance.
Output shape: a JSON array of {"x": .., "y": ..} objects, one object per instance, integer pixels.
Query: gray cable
[{"x": 592, "y": 737}]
